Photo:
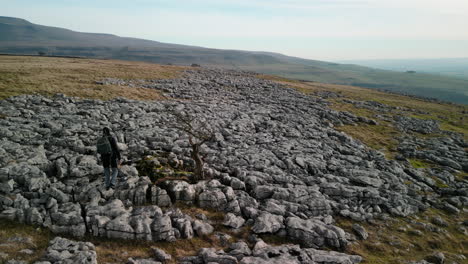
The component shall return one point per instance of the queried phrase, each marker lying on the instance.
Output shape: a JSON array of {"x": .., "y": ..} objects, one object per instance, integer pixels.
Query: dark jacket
[{"x": 115, "y": 148}]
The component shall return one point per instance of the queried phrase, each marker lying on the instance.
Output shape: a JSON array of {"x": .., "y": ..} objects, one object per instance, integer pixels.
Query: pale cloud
[
  {"x": 289, "y": 26},
  {"x": 438, "y": 6},
  {"x": 416, "y": 25}
]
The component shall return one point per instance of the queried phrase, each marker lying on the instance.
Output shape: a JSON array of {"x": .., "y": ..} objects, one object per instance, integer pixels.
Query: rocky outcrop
[
  {"x": 65, "y": 251},
  {"x": 446, "y": 151},
  {"x": 315, "y": 234},
  {"x": 263, "y": 253},
  {"x": 276, "y": 162},
  {"x": 424, "y": 126}
]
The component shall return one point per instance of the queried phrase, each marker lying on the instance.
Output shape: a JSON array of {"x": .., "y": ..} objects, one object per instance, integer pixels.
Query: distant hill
[
  {"x": 455, "y": 67},
  {"x": 18, "y": 36}
]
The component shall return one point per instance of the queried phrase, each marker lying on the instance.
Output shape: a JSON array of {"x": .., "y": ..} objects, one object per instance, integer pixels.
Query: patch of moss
[
  {"x": 439, "y": 183},
  {"x": 461, "y": 176},
  {"x": 418, "y": 163}
]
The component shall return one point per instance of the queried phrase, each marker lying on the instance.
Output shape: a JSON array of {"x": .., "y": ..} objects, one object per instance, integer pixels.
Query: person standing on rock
[{"x": 110, "y": 157}]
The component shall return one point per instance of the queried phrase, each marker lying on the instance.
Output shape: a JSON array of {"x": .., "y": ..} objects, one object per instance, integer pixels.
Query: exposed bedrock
[{"x": 277, "y": 165}]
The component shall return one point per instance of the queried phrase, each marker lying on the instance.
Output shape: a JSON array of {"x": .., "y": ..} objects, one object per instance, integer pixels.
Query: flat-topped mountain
[{"x": 18, "y": 36}]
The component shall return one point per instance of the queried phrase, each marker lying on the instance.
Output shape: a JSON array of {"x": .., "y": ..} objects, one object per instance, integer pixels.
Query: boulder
[
  {"x": 360, "y": 231},
  {"x": 180, "y": 191},
  {"x": 315, "y": 234},
  {"x": 268, "y": 223},
  {"x": 233, "y": 221},
  {"x": 202, "y": 228},
  {"x": 62, "y": 250}
]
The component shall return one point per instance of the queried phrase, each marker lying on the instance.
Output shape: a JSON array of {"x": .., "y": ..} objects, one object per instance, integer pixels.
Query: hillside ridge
[{"x": 32, "y": 38}]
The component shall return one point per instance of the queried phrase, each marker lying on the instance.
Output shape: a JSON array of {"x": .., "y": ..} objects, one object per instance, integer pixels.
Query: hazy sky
[{"x": 315, "y": 29}]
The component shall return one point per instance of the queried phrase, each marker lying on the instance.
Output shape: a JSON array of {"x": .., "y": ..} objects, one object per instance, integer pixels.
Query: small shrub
[{"x": 157, "y": 172}]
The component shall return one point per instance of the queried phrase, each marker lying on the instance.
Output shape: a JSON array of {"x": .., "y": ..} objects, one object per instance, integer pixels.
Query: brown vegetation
[
  {"x": 392, "y": 242},
  {"x": 38, "y": 237},
  {"x": 77, "y": 77}
]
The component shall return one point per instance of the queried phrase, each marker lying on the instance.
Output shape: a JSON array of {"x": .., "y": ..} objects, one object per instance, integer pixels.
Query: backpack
[{"x": 103, "y": 146}]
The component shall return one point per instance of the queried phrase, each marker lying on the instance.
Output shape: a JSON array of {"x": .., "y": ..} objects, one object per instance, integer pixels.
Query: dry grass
[
  {"x": 76, "y": 77},
  {"x": 276, "y": 78},
  {"x": 380, "y": 137},
  {"x": 110, "y": 250},
  {"x": 461, "y": 176},
  {"x": 387, "y": 245},
  {"x": 39, "y": 237},
  {"x": 118, "y": 251}
]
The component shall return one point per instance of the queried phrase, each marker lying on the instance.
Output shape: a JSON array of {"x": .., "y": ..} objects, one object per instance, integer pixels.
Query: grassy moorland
[{"x": 77, "y": 77}]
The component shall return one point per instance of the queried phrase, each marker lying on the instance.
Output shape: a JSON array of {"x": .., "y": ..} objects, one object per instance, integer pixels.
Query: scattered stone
[
  {"x": 436, "y": 258},
  {"x": 437, "y": 220},
  {"x": 62, "y": 250},
  {"x": 26, "y": 251},
  {"x": 233, "y": 221},
  {"x": 142, "y": 261},
  {"x": 202, "y": 228},
  {"x": 161, "y": 255},
  {"x": 268, "y": 223},
  {"x": 360, "y": 231},
  {"x": 450, "y": 208}
]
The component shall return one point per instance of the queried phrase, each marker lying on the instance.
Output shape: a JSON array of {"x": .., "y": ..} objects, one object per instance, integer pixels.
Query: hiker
[{"x": 110, "y": 157}]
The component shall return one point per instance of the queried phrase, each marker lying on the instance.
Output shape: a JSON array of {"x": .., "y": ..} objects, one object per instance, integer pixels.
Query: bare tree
[{"x": 198, "y": 134}]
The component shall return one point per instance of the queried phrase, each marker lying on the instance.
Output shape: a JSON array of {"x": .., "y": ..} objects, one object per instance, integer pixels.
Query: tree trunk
[{"x": 199, "y": 173}]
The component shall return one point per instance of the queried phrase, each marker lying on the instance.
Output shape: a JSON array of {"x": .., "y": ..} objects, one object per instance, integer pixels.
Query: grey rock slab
[
  {"x": 268, "y": 223},
  {"x": 436, "y": 258},
  {"x": 142, "y": 261},
  {"x": 180, "y": 191},
  {"x": 233, "y": 221},
  {"x": 161, "y": 255},
  {"x": 160, "y": 197},
  {"x": 67, "y": 251},
  {"x": 214, "y": 198},
  {"x": 162, "y": 229},
  {"x": 210, "y": 255},
  {"x": 184, "y": 226},
  {"x": 202, "y": 228},
  {"x": 239, "y": 250},
  {"x": 277, "y": 260},
  {"x": 360, "y": 231},
  {"x": 315, "y": 234}
]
